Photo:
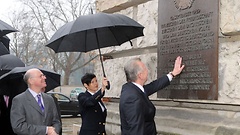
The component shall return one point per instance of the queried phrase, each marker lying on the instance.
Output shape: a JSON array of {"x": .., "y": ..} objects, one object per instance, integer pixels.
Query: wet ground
[{"x": 68, "y": 122}]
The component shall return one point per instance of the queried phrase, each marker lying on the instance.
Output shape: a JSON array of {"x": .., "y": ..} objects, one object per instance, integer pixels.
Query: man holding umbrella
[{"x": 34, "y": 112}]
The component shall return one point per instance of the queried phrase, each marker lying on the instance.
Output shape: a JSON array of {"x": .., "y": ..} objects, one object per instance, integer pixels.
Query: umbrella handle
[{"x": 108, "y": 86}]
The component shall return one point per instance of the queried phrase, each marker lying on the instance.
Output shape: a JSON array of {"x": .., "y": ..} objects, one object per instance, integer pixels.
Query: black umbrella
[
  {"x": 15, "y": 76},
  {"x": 8, "y": 62},
  {"x": 6, "y": 28},
  {"x": 3, "y": 49},
  {"x": 95, "y": 31},
  {"x": 5, "y": 40}
]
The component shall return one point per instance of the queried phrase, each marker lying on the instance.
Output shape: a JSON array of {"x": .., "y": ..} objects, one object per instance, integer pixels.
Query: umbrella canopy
[
  {"x": 94, "y": 31},
  {"x": 6, "y": 28},
  {"x": 8, "y": 62},
  {"x": 3, "y": 49},
  {"x": 15, "y": 76},
  {"x": 5, "y": 40}
]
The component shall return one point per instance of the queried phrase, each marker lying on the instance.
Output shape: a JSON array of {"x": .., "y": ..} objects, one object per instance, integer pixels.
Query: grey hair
[
  {"x": 131, "y": 69},
  {"x": 26, "y": 76}
]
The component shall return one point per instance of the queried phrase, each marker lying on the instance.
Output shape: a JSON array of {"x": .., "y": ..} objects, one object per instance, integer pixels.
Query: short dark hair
[{"x": 87, "y": 78}]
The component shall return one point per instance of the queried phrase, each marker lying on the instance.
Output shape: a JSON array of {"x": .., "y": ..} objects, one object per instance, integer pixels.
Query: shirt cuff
[{"x": 170, "y": 77}]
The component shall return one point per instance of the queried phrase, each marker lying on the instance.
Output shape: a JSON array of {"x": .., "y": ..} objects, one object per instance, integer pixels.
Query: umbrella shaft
[{"x": 100, "y": 56}]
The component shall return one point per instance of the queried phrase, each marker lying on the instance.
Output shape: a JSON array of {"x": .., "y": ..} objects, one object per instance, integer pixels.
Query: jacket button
[
  {"x": 95, "y": 110},
  {"x": 99, "y": 122}
]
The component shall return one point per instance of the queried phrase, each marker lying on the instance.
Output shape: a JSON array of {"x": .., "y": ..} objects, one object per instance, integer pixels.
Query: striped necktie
[{"x": 40, "y": 102}]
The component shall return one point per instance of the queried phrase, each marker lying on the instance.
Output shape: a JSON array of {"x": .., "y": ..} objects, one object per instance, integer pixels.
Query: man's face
[
  {"x": 39, "y": 79},
  {"x": 143, "y": 75}
]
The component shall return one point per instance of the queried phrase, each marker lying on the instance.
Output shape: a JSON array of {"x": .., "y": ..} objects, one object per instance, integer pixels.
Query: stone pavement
[{"x": 67, "y": 124}]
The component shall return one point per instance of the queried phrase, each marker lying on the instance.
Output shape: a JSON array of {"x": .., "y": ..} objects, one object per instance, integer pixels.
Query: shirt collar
[
  {"x": 33, "y": 92},
  {"x": 92, "y": 93},
  {"x": 139, "y": 86}
]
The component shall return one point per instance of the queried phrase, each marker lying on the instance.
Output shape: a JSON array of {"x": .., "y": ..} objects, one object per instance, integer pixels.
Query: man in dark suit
[
  {"x": 34, "y": 112},
  {"x": 136, "y": 110},
  {"x": 5, "y": 124},
  {"x": 54, "y": 96},
  {"x": 92, "y": 109}
]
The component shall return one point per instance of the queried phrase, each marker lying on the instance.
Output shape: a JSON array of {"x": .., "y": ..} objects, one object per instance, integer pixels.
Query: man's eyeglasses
[{"x": 41, "y": 76}]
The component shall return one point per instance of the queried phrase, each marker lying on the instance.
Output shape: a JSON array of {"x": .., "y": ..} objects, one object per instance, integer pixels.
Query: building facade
[{"x": 177, "y": 116}]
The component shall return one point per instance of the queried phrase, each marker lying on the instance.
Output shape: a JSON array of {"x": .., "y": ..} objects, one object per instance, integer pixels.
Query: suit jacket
[
  {"x": 27, "y": 117},
  {"x": 58, "y": 111},
  {"x": 93, "y": 118},
  {"x": 5, "y": 124},
  {"x": 136, "y": 110}
]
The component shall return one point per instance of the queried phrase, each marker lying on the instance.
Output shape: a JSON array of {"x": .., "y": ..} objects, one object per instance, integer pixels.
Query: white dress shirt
[{"x": 35, "y": 96}]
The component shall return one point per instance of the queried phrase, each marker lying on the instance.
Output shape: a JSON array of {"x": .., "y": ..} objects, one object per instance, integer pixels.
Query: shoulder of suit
[
  {"x": 22, "y": 94},
  {"x": 46, "y": 95},
  {"x": 129, "y": 90},
  {"x": 129, "y": 86},
  {"x": 83, "y": 93},
  {"x": 126, "y": 85}
]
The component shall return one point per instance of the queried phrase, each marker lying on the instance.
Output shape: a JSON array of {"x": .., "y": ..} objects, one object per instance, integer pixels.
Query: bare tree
[
  {"x": 37, "y": 24},
  {"x": 27, "y": 44}
]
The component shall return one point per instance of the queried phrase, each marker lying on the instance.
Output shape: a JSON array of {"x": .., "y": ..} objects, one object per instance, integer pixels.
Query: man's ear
[
  {"x": 139, "y": 75},
  {"x": 85, "y": 85},
  {"x": 30, "y": 81}
]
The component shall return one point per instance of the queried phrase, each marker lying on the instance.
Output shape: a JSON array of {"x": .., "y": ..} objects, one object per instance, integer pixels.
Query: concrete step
[{"x": 184, "y": 121}]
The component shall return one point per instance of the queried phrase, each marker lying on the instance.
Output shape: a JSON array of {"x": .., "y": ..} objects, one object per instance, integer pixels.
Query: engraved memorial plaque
[{"x": 189, "y": 28}]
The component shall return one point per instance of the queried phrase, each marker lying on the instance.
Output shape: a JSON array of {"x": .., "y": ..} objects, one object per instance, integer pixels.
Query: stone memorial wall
[
  {"x": 146, "y": 13},
  {"x": 214, "y": 113},
  {"x": 189, "y": 29}
]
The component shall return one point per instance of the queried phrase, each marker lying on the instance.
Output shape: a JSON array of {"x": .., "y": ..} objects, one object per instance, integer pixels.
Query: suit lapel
[
  {"x": 88, "y": 94},
  {"x": 32, "y": 102},
  {"x": 46, "y": 104},
  {"x": 102, "y": 105},
  {"x": 97, "y": 105},
  {"x": 103, "y": 113}
]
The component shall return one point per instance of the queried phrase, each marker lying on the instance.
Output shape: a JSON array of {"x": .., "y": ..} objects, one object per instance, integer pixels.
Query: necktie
[
  {"x": 6, "y": 100},
  {"x": 40, "y": 102}
]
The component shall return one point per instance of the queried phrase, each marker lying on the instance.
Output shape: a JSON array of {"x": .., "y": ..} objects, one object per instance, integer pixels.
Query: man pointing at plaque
[{"x": 136, "y": 110}]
